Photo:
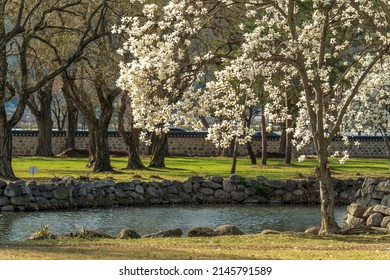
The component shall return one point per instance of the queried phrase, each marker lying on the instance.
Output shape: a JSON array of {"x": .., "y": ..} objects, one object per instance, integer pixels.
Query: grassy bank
[
  {"x": 180, "y": 168},
  {"x": 282, "y": 246}
]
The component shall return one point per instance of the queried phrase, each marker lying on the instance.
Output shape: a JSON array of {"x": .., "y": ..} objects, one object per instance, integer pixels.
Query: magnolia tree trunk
[
  {"x": 134, "y": 161},
  {"x": 251, "y": 154},
  {"x": 289, "y": 124},
  {"x": 159, "y": 147},
  {"x": 387, "y": 143},
  {"x": 234, "y": 162},
  {"x": 263, "y": 139},
  {"x": 328, "y": 222}
]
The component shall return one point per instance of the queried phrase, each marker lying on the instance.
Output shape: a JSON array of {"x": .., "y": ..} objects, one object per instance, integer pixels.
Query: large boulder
[
  {"x": 127, "y": 233},
  {"x": 4, "y": 201},
  {"x": 374, "y": 220},
  {"x": 60, "y": 193},
  {"x": 356, "y": 210},
  {"x": 176, "y": 232},
  {"x": 200, "y": 232},
  {"x": 11, "y": 190},
  {"x": 228, "y": 230}
]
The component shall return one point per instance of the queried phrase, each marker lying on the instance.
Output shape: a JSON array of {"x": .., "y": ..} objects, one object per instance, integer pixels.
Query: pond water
[{"x": 144, "y": 220}]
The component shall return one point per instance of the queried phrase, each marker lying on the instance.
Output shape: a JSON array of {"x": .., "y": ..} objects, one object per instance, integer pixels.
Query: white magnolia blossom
[{"x": 164, "y": 65}]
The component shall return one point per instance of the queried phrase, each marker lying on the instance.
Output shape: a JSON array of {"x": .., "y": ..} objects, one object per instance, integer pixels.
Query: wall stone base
[{"x": 68, "y": 193}]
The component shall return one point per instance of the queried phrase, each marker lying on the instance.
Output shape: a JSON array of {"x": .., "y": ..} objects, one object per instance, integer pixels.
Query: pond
[{"x": 144, "y": 220}]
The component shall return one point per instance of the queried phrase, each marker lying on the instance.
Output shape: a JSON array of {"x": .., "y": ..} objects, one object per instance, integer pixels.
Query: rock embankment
[
  {"x": 371, "y": 207},
  {"x": 69, "y": 193}
]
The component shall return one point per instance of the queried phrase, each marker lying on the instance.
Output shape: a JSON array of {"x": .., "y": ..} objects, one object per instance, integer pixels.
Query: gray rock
[
  {"x": 383, "y": 186},
  {"x": 220, "y": 194},
  {"x": 356, "y": 210},
  {"x": 90, "y": 197},
  {"x": 241, "y": 188},
  {"x": 139, "y": 189},
  {"x": 60, "y": 193},
  {"x": 172, "y": 189},
  {"x": 288, "y": 198},
  {"x": 187, "y": 187},
  {"x": 234, "y": 178},
  {"x": 211, "y": 185},
  {"x": 125, "y": 186},
  {"x": 377, "y": 195},
  {"x": 177, "y": 232},
  {"x": 386, "y": 200},
  {"x": 206, "y": 191},
  {"x": 152, "y": 191},
  {"x": 47, "y": 195},
  {"x": 228, "y": 230},
  {"x": 19, "y": 183},
  {"x": 186, "y": 197},
  {"x": 313, "y": 230},
  {"x": 291, "y": 185},
  {"x": 216, "y": 179},
  {"x": 385, "y": 222},
  {"x": 195, "y": 179},
  {"x": 69, "y": 180},
  {"x": 369, "y": 211},
  {"x": 11, "y": 191},
  {"x": 374, "y": 220},
  {"x": 174, "y": 198},
  {"x": 165, "y": 183},
  {"x": 20, "y": 200},
  {"x": 250, "y": 191},
  {"x": 381, "y": 209},
  {"x": 364, "y": 200},
  {"x": 352, "y": 221},
  {"x": 200, "y": 232},
  {"x": 104, "y": 183},
  {"x": 228, "y": 186},
  {"x": 298, "y": 192},
  {"x": 270, "y": 231},
  {"x": 373, "y": 202},
  {"x": 279, "y": 192},
  {"x": 120, "y": 193},
  {"x": 7, "y": 208},
  {"x": 369, "y": 182},
  {"x": 127, "y": 233},
  {"x": 43, "y": 202},
  {"x": 239, "y": 196},
  {"x": 3, "y": 184},
  {"x": 4, "y": 201},
  {"x": 25, "y": 190}
]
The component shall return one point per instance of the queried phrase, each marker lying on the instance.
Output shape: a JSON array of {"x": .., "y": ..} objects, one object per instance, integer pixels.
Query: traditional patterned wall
[{"x": 193, "y": 144}]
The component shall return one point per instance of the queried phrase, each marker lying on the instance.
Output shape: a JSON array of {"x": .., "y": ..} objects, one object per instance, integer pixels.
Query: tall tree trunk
[
  {"x": 251, "y": 153},
  {"x": 159, "y": 147},
  {"x": 134, "y": 161},
  {"x": 71, "y": 128},
  {"x": 45, "y": 126},
  {"x": 328, "y": 222},
  {"x": 234, "y": 162},
  {"x": 288, "y": 152},
  {"x": 263, "y": 138},
  {"x": 387, "y": 143},
  {"x": 40, "y": 106},
  {"x": 102, "y": 150},
  {"x": 6, "y": 171},
  {"x": 131, "y": 139},
  {"x": 282, "y": 140},
  {"x": 72, "y": 115},
  {"x": 91, "y": 144}
]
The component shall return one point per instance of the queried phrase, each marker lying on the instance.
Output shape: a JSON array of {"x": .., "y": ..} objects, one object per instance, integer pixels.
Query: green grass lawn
[
  {"x": 180, "y": 168},
  {"x": 246, "y": 247}
]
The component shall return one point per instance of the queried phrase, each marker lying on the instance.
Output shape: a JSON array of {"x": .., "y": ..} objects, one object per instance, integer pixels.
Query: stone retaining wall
[
  {"x": 69, "y": 193},
  {"x": 371, "y": 207},
  {"x": 194, "y": 144}
]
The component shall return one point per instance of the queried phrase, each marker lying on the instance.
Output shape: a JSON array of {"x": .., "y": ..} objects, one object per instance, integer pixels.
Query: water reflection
[{"x": 249, "y": 218}]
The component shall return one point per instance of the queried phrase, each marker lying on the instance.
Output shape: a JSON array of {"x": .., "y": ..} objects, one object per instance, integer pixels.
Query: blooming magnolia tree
[
  {"x": 333, "y": 49},
  {"x": 171, "y": 44},
  {"x": 371, "y": 109}
]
